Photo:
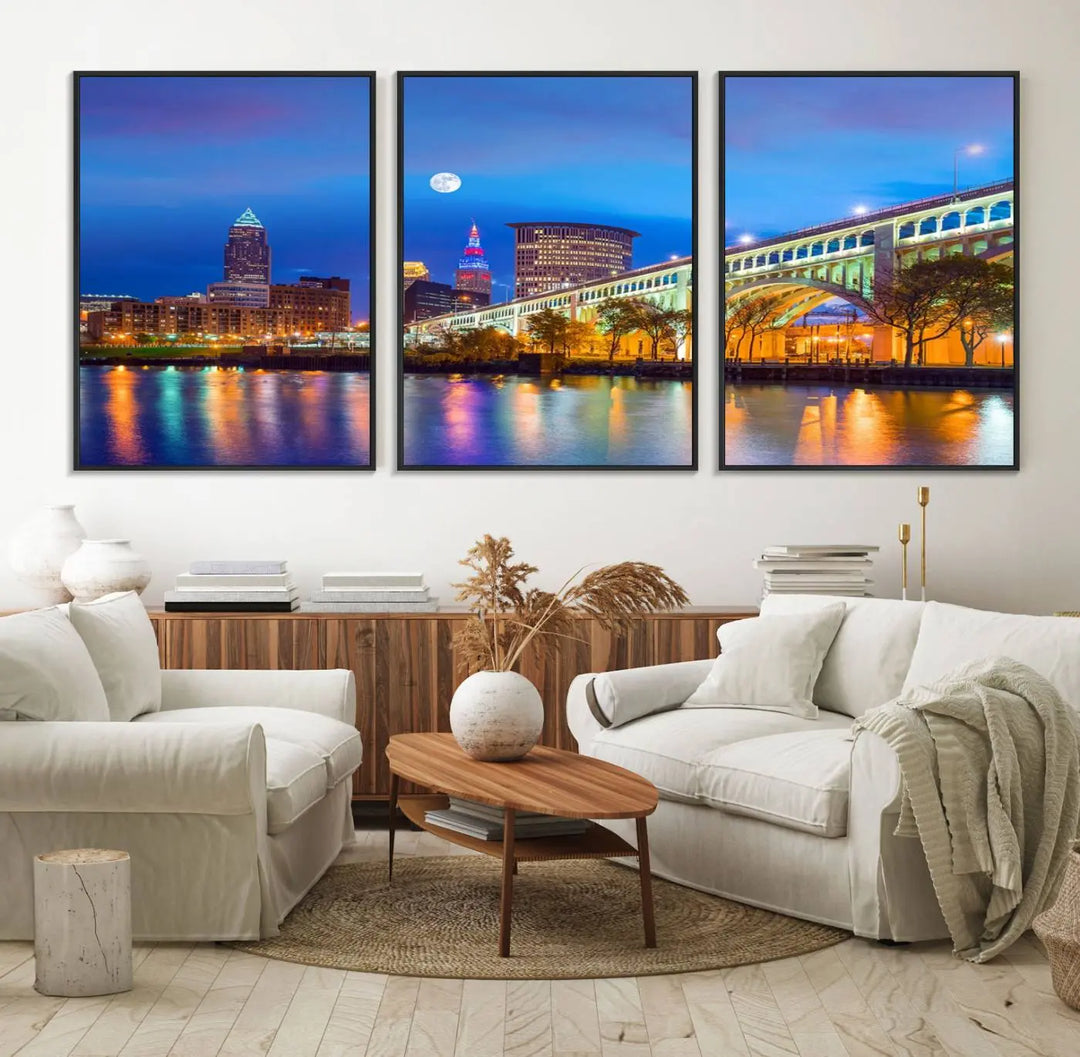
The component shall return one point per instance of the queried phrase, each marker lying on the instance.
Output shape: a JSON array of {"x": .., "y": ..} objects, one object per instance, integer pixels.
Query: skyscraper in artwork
[
  {"x": 247, "y": 251},
  {"x": 473, "y": 275}
]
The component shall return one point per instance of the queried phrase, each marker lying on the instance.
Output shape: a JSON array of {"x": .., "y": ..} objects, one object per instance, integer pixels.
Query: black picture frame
[
  {"x": 402, "y": 79},
  {"x": 725, "y": 77},
  {"x": 80, "y": 464}
]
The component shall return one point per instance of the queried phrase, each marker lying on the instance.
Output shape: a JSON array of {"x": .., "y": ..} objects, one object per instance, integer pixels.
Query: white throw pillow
[
  {"x": 121, "y": 641},
  {"x": 46, "y": 672},
  {"x": 770, "y": 662}
]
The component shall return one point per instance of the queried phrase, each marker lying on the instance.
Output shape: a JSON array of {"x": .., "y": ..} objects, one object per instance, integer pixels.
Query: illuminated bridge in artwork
[
  {"x": 839, "y": 259},
  {"x": 669, "y": 284}
]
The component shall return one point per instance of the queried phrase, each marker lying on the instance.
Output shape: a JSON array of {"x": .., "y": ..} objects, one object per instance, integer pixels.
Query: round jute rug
[{"x": 571, "y": 918}]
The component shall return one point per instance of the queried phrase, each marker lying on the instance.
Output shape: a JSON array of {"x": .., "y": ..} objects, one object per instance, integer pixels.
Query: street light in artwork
[
  {"x": 971, "y": 150},
  {"x": 1001, "y": 340}
]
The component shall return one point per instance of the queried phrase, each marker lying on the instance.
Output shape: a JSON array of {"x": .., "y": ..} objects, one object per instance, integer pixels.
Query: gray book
[
  {"x": 430, "y": 606},
  {"x": 332, "y": 581},
  {"x": 287, "y": 594},
  {"x": 358, "y": 594},
  {"x": 232, "y": 581},
  {"x": 237, "y": 568}
]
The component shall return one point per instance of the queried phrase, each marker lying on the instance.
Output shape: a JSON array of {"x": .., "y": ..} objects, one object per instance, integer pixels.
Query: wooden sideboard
[{"x": 406, "y": 666}]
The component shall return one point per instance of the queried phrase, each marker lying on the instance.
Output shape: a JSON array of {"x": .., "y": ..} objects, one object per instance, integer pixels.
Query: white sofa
[
  {"x": 231, "y": 790},
  {"x": 791, "y": 814}
]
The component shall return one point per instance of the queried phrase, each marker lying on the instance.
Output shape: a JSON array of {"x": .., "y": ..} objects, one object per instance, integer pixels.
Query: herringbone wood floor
[{"x": 858, "y": 999}]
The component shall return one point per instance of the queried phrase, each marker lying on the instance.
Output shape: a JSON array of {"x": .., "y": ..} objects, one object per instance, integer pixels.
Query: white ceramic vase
[
  {"x": 38, "y": 549},
  {"x": 496, "y": 715},
  {"x": 100, "y": 567}
]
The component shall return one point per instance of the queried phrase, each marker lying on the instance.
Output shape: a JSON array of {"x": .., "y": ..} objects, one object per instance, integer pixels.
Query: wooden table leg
[
  {"x": 646, "y": 882},
  {"x": 390, "y": 829},
  {"x": 509, "y": 866}
]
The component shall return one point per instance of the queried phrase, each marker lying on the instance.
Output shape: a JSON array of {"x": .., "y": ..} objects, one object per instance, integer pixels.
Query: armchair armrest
[
  {"x": 133, "y": 767},
  {"x": 328, "y": 692},
  {"x": 610, "y": 699}
]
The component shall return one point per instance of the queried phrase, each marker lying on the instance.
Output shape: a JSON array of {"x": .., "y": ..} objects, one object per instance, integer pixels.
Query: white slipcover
[{"x": 188, "y": 801}]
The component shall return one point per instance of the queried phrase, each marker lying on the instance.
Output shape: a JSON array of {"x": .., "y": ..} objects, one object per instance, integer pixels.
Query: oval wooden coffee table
[{"x": 548, "y": 781}]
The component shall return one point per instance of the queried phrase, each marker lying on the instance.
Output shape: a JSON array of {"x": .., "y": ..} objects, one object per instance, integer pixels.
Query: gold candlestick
[
  {"x": 923, "y": 496},
  {"x": 904, "y": 535}
]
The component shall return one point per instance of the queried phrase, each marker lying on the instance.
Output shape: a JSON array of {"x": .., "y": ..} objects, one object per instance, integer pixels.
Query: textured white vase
[
  {"x": 496, "y": 715},
  {"x": 38, "y": 549},
  {"x": 100, "y": 567}
]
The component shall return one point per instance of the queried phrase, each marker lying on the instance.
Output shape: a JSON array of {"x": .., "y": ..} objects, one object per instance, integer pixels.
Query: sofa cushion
[
  {"x": 46, "y": 672},
  {"x": 666, "y": 748},
  {"x": 336, "y": 743},
  {"x": 770, "y": 662},
  {"x": 295, "y": 781},
  {"x": 951, "y": 636},
  {"x": 798, "y": 780},
  {"x": 124, "y": 649},
  {"x": 870, "y": 656}
]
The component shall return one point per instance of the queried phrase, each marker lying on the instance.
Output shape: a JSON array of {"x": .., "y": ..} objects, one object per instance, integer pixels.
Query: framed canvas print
[
  {"x": 223, "y": 271},
  {"x": 546, "y": 239},
  {"x": 870, "y": 307}
]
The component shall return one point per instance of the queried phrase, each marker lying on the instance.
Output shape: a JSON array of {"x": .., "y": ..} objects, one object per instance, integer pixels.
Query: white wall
[{"x": 996, "y": 539}]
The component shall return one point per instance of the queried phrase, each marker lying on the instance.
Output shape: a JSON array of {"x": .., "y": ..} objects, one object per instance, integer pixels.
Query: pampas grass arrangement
[{"x": 507, "y": 615}]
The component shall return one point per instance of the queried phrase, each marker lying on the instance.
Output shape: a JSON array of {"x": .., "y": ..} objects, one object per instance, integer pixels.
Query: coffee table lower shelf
[{"x": 595, "y": 843}]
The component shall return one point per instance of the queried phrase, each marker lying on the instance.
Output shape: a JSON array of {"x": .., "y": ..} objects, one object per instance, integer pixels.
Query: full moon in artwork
[{"x": 445, "y": 182}]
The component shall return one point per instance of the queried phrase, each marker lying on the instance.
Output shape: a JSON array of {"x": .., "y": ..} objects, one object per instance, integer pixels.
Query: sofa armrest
[
  {"x": 328, "y": 692},
  {"x": 133, "y": 767},
  {"x": 892, "y": 895},
  {"x": 596, "y": 701}
]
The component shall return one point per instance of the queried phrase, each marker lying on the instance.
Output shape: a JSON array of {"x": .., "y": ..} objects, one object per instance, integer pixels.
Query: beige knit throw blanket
[{"x": 991, "y": 786}]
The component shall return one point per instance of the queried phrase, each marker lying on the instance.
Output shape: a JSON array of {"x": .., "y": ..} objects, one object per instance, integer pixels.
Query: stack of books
[
  {"x": 485, "y": 822},
  {"x": 817, "y": 569},
  {"x": 234, "y": 587},
  {"x": 372, "y": 593}
]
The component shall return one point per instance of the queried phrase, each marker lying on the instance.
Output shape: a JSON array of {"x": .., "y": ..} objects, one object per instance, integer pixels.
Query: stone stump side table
[
  {"x": 1059, "y": 930},
  {"x": 82, "y": 922}
]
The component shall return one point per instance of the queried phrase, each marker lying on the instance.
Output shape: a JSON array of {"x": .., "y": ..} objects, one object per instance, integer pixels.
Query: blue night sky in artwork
[
  {"x": 167, "y": 164},
  {"x": 802, "y": 150},
  {"x": 608, "y": 150}
]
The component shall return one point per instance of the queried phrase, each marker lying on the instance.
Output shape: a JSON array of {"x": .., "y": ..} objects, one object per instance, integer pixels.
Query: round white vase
[
  {"x": 100, "y": 567},
  {"x": 38, "y": 549},
  {"x": 496, "y": 715}
]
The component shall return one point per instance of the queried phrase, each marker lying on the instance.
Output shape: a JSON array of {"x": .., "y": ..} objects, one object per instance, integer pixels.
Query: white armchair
[{"x": 232, "y": 799}]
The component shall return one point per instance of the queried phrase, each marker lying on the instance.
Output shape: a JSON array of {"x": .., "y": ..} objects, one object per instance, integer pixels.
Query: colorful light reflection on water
[
  {"x": 575, "y": 420},
  {"x": 170, "y": 416},
  {"x": 813, "y": 425}
]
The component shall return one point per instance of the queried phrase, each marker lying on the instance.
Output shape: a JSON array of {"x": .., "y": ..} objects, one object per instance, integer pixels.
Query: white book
[
  {"x": 256, "y": 567},
  {"x": 796, "y": 575},
  {"x": 430, "y": 606},
  {"x": 788, "y": 565},
  {"x": 814, "y": 549},
  {"x": 264, "y": 594},
  {"x": 361, "y": 594},
  {"x": 373, "y": 580},
  {"x": 232, "y": 581}
]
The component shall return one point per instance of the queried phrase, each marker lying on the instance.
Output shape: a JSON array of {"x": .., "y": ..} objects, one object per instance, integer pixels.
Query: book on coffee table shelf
[{"x": 486, "y": 822}]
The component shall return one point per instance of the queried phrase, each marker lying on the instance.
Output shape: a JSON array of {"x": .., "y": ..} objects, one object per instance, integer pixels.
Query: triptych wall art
[{"x": 545, "y": 281}]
